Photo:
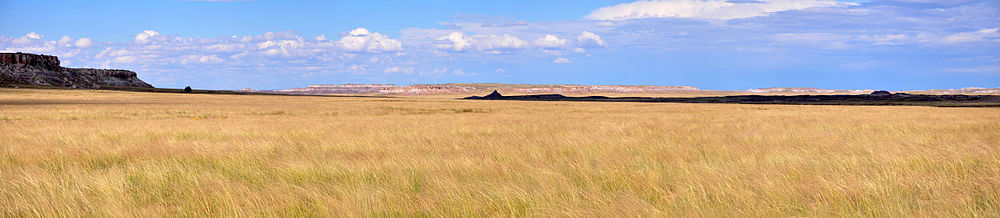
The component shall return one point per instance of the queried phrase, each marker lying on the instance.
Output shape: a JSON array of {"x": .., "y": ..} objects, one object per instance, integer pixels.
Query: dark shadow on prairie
[{"x": 875, "y": 98}]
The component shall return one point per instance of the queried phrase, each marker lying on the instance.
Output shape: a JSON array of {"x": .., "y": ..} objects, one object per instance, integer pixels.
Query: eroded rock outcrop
[{"x": 44, "y": 70}]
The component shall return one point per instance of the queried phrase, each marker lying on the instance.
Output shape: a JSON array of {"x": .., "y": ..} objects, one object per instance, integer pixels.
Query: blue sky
[{"x": 709, "y": 44}]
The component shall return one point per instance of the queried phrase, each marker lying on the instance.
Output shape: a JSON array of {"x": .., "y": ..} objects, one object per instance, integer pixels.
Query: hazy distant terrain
[
  {"x": 635, "y": 90},
  {"x": 111, "y": 153}
]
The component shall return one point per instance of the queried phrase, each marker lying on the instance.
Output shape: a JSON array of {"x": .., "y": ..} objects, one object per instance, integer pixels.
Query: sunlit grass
[{"x": 102, "y": 153}]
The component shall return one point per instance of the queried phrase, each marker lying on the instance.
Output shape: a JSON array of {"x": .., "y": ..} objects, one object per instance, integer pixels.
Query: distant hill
[
  {"x": 44, "y": 70},
  {"x": 804, "y": 90}
]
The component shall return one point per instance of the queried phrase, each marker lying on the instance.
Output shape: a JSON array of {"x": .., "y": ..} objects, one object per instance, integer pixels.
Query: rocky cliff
[{"x": 44, "y": 70}]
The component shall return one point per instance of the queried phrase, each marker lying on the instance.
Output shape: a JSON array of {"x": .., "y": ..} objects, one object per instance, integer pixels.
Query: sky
[{"x": 709, "y": 44}]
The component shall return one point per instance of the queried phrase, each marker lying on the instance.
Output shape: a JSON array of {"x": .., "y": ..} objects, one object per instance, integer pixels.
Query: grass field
[{"x": 107, "y": 153}]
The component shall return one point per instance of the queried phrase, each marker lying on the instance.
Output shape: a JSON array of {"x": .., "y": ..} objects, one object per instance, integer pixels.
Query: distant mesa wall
[
  {"x": 804, "y": 90},
  {"x": 468, "y": 88},
  {"x": 44, "y": 70}
]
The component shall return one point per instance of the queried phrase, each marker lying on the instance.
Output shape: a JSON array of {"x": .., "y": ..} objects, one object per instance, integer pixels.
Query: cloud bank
[{"x": 706, "y": 9}]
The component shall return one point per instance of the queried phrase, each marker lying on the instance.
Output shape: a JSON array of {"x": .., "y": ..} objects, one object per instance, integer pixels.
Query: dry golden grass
[{"x": 104, "y": 153}]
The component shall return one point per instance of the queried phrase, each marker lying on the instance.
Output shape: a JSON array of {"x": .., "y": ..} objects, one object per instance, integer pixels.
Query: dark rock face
[
  {"x": 44, "y": 70},
  {"x": 44, "y": 61},
  {"x": 495, "y": 94}
]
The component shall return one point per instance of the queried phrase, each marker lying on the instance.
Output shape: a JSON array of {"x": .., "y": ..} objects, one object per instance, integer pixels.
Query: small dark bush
[{"x": 187, "y": 89}]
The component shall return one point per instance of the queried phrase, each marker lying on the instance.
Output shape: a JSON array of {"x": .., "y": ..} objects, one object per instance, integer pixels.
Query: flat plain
[{"x": 111, "y": 153}]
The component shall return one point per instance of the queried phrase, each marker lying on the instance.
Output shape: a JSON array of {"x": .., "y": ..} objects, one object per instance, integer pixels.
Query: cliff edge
[{"x": 44, "y": 70}]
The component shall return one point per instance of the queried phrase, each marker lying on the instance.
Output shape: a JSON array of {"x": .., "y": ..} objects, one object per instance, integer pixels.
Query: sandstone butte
[{"x": 43, "y": 70}]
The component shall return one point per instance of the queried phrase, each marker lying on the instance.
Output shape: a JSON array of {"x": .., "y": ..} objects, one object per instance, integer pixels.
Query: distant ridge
[
  {"x": 880, "y": 97},
  {"x": 44, "y": 70},
  {"x": 469, "y": 88}
]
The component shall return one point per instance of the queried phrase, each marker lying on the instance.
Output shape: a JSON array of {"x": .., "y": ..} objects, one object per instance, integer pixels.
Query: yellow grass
[{"x": 104, "y": 153}]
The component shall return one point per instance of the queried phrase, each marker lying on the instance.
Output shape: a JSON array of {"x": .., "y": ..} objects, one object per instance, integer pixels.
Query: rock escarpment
[{"x": 44, "y": 70}]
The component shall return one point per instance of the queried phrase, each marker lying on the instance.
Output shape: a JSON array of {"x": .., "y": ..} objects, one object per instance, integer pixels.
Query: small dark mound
[{"x": 881, "y": 93}]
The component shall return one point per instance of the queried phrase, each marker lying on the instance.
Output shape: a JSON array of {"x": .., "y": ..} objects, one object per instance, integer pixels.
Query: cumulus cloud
[
  {"x": 561, "y": 60},
  {"x": 83, "y": 43},
  {"x": 65, "y": 41},
  {"x": 29, "y": 38},
  {"x": 361, "y": 39},
  {"x": 589, "y": 39},
  {"x": 550, "y": 41},
  {"x": 145, "y": 36},
  {"x": 458, "y": 41},
  {"x": 153, "y": 53},
  {"x": 705, "y": 9}
]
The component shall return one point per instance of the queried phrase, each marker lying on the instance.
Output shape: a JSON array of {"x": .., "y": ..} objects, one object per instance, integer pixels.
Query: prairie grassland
[{"x": 104, "y": 153}]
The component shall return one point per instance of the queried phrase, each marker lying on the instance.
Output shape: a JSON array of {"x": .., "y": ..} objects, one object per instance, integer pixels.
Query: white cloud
[
  {"x": 83, "y": 43},
  {"x": 589, "y": 39},
  {"x": 266, "y": 44},
  {"x": 404, "y": 70},
  {"x": 561, "y": 60},
  {"x": 458, "y": 41},
  {"x": 357, "y": 69},
  {"x": 970, "y": 36},
  {"x": 501, "y": 70},
  {"x": 200, "y": 59},
  {"x": 361, "y": 39},
  {"x": 551, "y": 52},
  {"x": 65, "y": 41},
  {"x": 145, "y": 36},
  {"x": 705, "y": 9},
  {"x": 283, "y": 47},
  {"x": 30, "y": 38},
  {"x": 498, "y": 42},
  {"x": 604, "y": 24},
  {"x": 124, "y": 59},
  {"x": 33, "y": 35},
  {"x": 550, "y": 41},
  {"x": 225, "y": 47},
  {"x": 579, "y": 50}
]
